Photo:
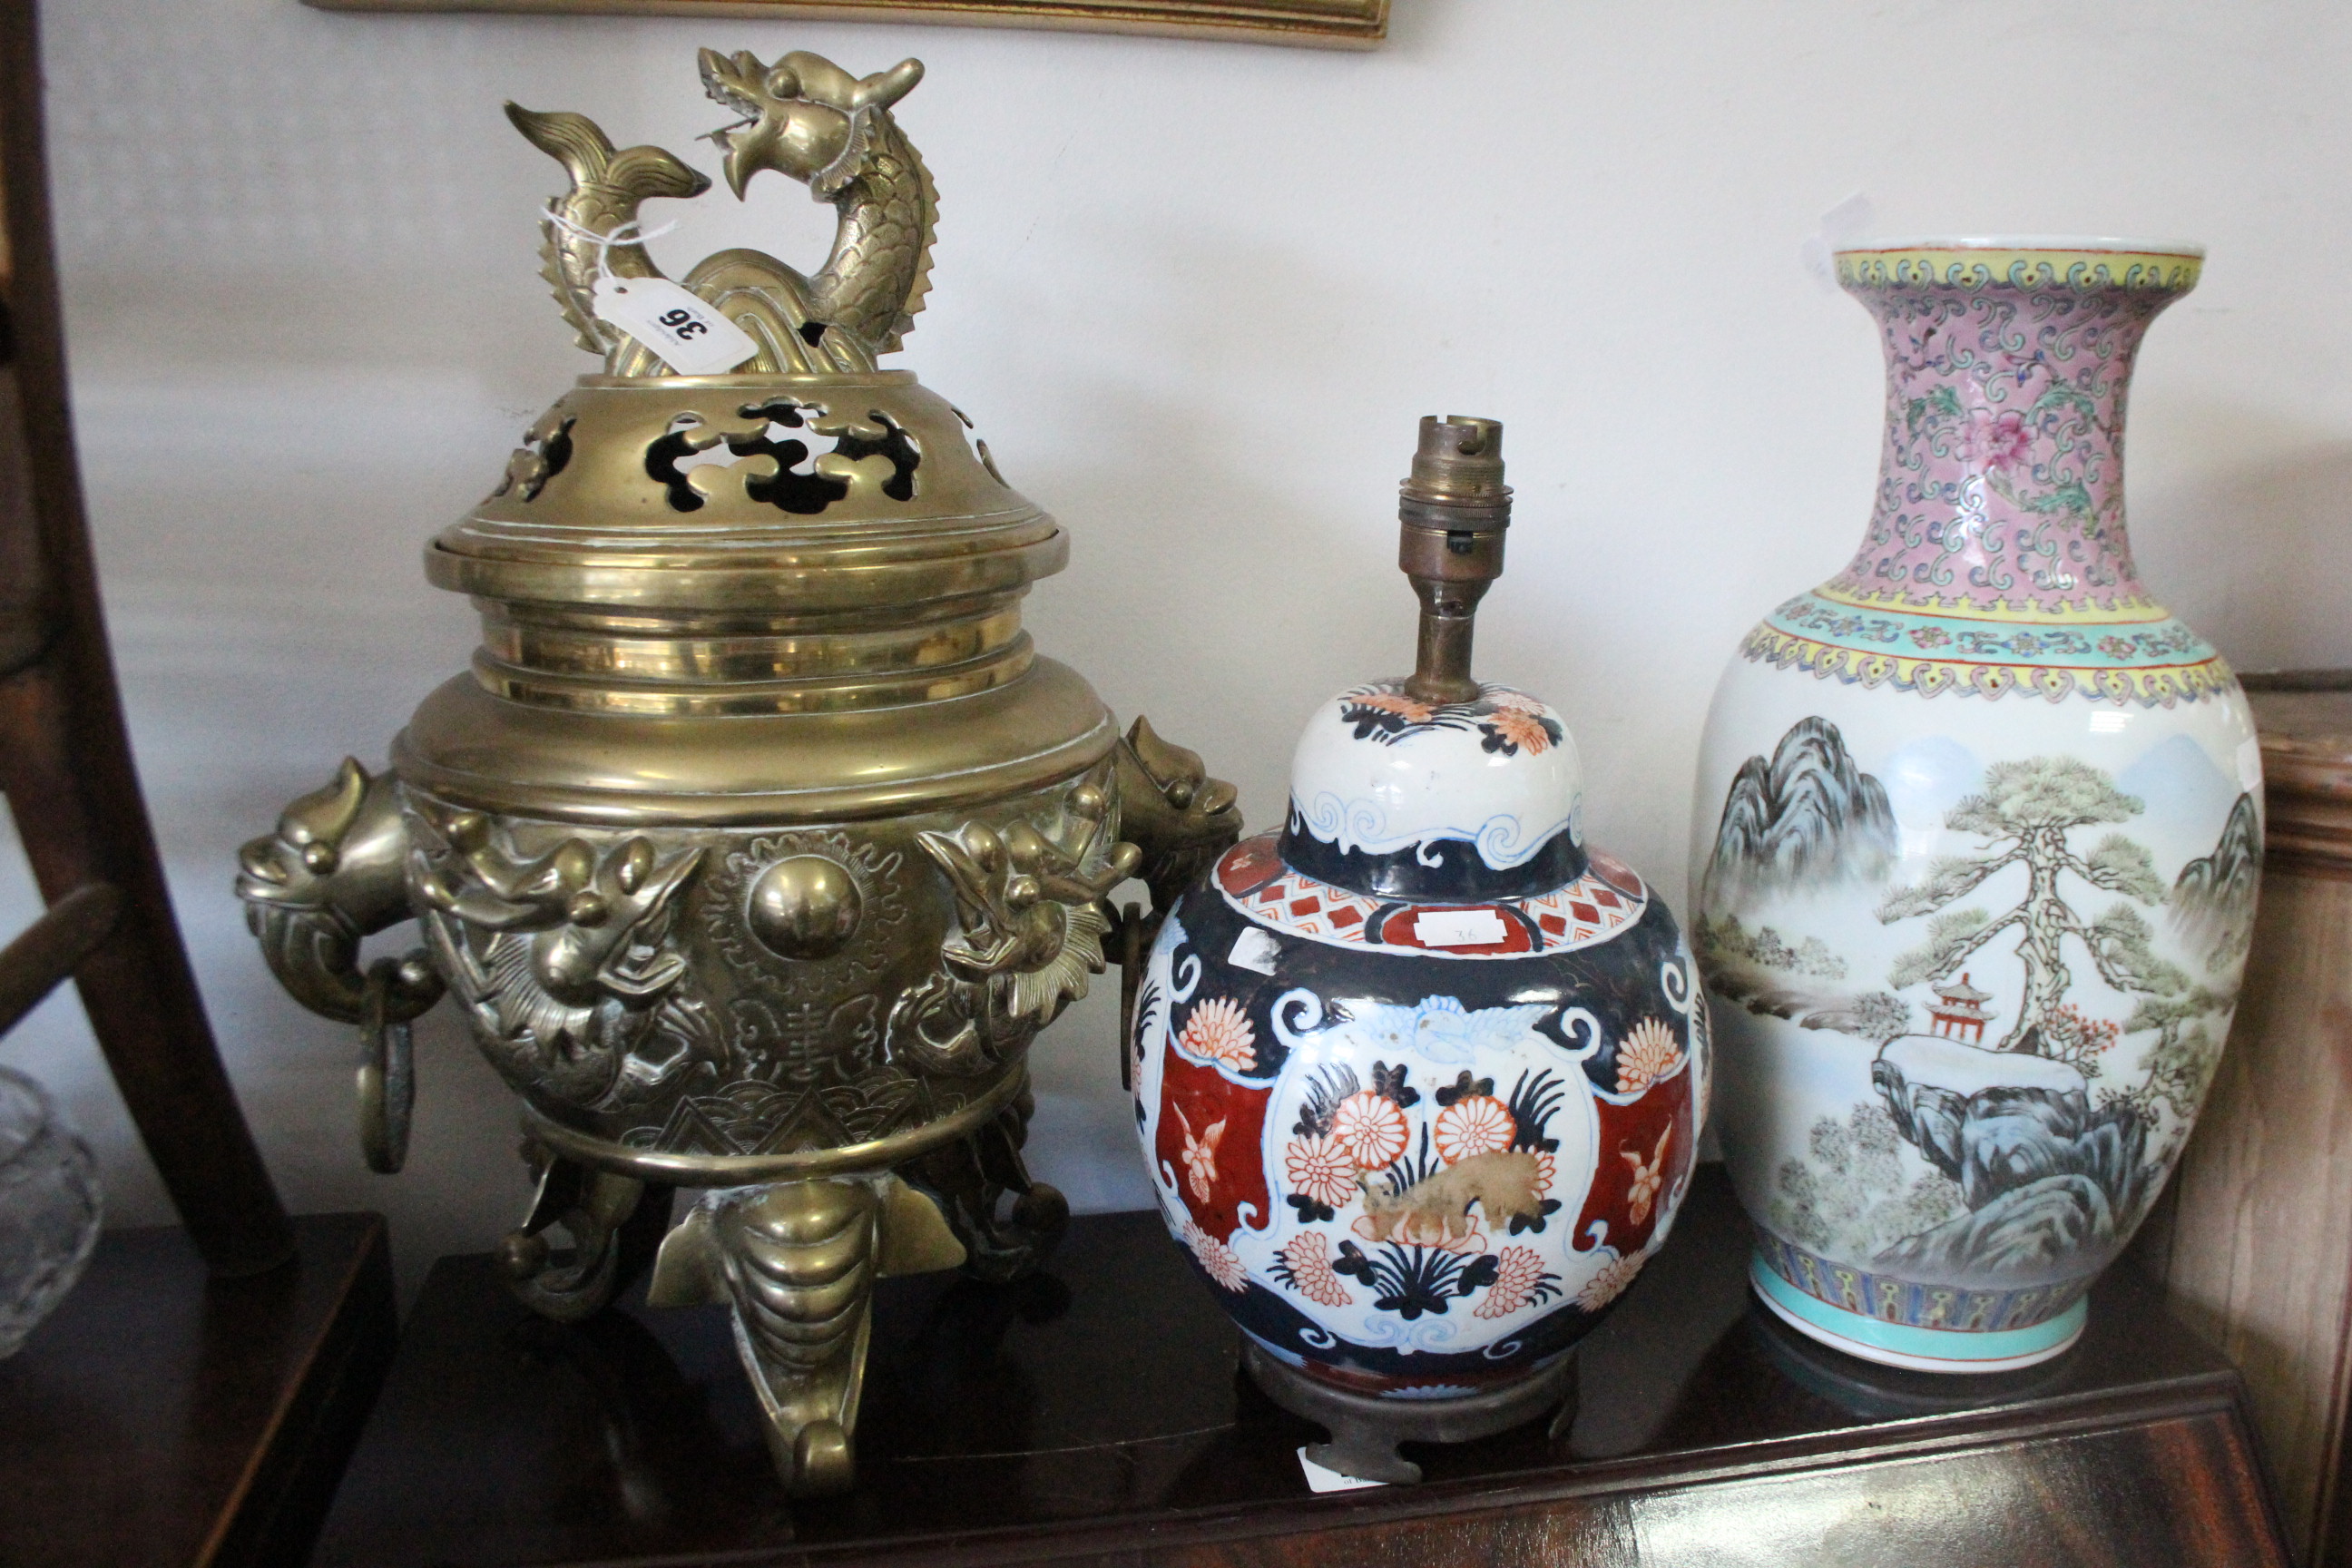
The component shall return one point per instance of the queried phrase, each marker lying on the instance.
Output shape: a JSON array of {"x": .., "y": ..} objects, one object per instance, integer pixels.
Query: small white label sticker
[
  {"x": 1460, "y": 928},
  {"x": 685, "y": 330},
  {"x": 1324, "y": 1479},
  {"x": 1254, "y": 950},
  {"x": 2250, "y": 765}
]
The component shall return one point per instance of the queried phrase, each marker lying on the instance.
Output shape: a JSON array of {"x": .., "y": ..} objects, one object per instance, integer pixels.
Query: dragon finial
[{"x": 803, "y": 117}]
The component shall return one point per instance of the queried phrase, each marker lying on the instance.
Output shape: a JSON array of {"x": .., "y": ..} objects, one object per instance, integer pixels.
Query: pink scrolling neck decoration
[{"x": 2000, "y": 483}]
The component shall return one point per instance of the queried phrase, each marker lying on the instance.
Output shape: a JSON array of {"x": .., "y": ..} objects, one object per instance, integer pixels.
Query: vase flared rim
[{"x": 2049, "y": 244}]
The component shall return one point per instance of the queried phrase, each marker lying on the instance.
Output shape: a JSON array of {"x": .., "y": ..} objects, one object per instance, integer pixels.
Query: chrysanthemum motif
[
  {"x": 1516, "y": 727},
  {"x": 1200, "y": 1154},
  {"x": 1219, "y": 1031},
  {"x": 1307, "y": 1255},
  {"x": 1521, "y": 1271},
  {"x": 1475, "y": 1125},
  {"x": 1503, "y": 697},
  {"x": 1217, "y": 1260},
  {"x": 1647, "y": 1054},
  {"x": 1320, "y": 1168},
  {"x": 1610, "y": 1283},
  {"x": 1370, "y": 1128},
  {"x": 1395, "y": 702}
]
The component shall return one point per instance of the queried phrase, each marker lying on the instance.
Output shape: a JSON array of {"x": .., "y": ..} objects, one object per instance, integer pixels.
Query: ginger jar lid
[
  {"x": 1392, "y": 793},
  {"x": 1434, "y": 785}
]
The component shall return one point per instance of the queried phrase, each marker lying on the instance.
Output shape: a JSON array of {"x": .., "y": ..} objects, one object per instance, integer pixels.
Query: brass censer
[{"x": 759, "y": 842}]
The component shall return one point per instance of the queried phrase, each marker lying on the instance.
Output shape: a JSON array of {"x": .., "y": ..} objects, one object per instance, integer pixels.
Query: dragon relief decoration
[
  {"x": 814, "y": 1059},
  {"x": 1029, "y": 924},
  {"x": 561, "y": 958},
  {"x": 759, "y": 842}
]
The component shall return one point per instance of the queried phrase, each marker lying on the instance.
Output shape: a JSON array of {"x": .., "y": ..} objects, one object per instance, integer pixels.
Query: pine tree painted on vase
[{"x": 1978, "y": 839}]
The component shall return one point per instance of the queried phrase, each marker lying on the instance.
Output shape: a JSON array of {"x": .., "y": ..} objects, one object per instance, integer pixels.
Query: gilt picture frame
[{"x": 1329, "y": 24}]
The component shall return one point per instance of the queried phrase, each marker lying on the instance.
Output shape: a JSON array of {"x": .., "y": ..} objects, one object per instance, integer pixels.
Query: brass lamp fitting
[{"x": 1452, "y": 512}]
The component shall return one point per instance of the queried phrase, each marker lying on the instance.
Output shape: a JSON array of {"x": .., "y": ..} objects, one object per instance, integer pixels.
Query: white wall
[{"x": 1197, "y": 294}]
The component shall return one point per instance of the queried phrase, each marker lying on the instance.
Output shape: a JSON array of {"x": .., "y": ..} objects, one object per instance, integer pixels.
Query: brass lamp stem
[{"x": 1452, "y": 512}]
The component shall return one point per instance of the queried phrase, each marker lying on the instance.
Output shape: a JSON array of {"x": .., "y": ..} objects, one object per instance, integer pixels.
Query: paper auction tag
[
  {"x": 685, "y": 330},
  {"x": 1322, "y": 1478},
  {"x": 1460, "y": 928}
]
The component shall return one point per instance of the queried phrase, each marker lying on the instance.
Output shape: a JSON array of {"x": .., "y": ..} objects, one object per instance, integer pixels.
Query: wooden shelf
[
  {"x": 1094, "y": 1415},
  {"x": 162, "y": 1419},
  {"x": 2255, "y": 1237}
]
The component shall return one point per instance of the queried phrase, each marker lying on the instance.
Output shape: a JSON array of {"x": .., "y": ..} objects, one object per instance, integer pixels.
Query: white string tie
[{"x": 618, "y": 235}]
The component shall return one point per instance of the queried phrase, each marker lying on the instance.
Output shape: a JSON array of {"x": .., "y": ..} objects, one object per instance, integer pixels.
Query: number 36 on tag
[{"x": 689, "y": 333}]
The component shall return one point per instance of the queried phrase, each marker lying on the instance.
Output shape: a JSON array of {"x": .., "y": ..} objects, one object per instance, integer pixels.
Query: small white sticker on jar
[
  {"x": 1460, "y": 928},
  {"x": 1254, "y": 950}
]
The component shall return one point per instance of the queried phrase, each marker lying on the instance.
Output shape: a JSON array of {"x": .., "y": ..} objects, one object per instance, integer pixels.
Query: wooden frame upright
[{"x": 65, "y": 755}]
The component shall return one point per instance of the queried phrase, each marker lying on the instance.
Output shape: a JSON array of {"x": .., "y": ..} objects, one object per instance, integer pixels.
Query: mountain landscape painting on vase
[
  {"x": 2013, "y": 972},
  {"x": 1809, "y": 817},
  {"x": 1806, "y": 821},
  {"x": 2213, "y": 897}
]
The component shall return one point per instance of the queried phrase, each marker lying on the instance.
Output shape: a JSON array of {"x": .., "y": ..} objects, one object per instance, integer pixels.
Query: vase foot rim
[
  {"x": 1365, "y": 1430},
  {"x": 1915, "y": 1349}
]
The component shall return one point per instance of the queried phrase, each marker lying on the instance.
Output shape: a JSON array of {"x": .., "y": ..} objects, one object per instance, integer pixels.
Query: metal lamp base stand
[{"x": 1365, "y": 1431}]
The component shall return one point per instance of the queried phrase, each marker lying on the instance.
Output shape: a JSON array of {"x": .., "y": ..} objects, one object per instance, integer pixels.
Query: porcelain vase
[
  {"x": 1419, "y": 1079},
  {"x": 1977, "y": 840}
]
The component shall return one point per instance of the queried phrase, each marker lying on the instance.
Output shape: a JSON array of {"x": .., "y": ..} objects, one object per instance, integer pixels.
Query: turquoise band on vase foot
[{"x": 1915, "y": 1349}]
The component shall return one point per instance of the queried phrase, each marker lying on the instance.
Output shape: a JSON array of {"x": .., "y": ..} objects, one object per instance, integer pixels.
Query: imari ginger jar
[
  {"x": 1979, "y": 833},
  {"x": 1420, "y": 1077}
]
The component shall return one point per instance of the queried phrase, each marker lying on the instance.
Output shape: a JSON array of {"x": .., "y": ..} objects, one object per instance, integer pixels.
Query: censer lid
[
  {"x": 745, "y": 573},
  {"x": 1433, "y": 786},
  {"x": 749, "y": 493},
  {"x": 789, "y": 473}
]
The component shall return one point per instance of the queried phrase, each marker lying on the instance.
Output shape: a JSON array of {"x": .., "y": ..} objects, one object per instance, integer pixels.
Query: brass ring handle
[{"x": 387, "y": 1072}]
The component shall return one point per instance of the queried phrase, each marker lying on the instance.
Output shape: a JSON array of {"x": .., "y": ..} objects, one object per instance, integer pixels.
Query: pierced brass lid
[{"x": 791, "y": 551}]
